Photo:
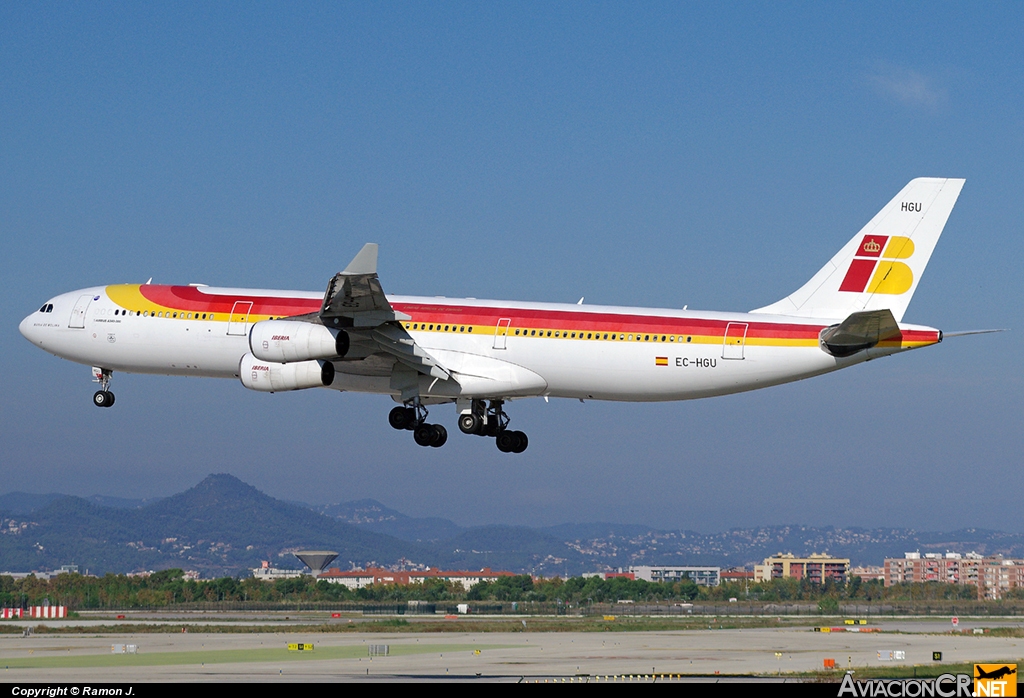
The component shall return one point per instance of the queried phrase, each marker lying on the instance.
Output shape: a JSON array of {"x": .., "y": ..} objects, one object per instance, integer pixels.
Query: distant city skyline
[{"x": 655, "y": 155}]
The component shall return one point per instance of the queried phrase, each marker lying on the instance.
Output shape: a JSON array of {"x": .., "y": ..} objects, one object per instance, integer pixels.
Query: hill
[{"x": 220, "y": 526}]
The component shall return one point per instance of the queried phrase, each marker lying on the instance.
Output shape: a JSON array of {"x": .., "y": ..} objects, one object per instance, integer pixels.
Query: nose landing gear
[{"x": 102, "y": 397}]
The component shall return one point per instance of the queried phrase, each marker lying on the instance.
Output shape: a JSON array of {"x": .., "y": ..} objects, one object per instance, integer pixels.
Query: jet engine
[
  {"x": 285, "y": 341},
  {"x": 272, "y": 377}
]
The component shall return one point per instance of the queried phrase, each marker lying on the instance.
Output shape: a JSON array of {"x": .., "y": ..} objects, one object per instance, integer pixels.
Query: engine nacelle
[
  {"x": 285, "y": 341},
  {"x": 272, "y": 377}
]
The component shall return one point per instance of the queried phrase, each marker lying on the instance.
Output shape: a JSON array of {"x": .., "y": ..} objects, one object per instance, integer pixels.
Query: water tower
[{"x": 316, "y": 560}]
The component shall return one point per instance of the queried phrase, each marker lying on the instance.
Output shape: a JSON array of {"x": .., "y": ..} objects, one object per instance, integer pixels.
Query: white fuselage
[{"x": 493, "y": 349}]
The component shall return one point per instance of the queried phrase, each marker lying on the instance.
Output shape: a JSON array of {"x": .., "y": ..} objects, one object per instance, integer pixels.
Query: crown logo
[{"x": 871, "y": 246}]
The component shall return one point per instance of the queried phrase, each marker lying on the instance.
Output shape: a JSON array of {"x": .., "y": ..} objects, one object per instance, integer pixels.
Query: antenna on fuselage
[
  {"x": 150, "y": 281},
  {"x": 580, "y": 301}
]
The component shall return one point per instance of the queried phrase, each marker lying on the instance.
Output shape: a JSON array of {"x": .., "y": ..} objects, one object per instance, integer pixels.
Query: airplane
[
  {"x": 481, "y": 354},
  {"x": 995, "y": 673}
]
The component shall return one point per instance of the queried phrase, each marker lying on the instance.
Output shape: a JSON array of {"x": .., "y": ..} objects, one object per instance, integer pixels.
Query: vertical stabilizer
[{"x": 881, "y": 266}]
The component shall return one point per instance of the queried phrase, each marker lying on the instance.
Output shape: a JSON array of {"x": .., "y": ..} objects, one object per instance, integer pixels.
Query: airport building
[
  {"x": 817, "y": 568},
  {"x": 994, "y": 576},
  {"x": 702, "y": 576}
]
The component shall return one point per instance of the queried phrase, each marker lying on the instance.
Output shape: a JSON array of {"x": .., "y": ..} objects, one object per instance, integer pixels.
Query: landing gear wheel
[
  {"x": 512, "y": 441},
  {"x": 440, "y": 436},
  {"x": 110, "y": 402},
  {"x": 398, "y": 418},
  {"x": 506, "y": 441},
  {"x": 103, "y": 398},
  {"x": 470, "y": 424},
  {"x": 425, "y": 434},
  {"x": 412, "y": 420}
]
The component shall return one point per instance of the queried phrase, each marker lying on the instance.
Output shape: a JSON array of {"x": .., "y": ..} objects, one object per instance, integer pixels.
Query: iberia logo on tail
[{"x": 875, "y": 268}]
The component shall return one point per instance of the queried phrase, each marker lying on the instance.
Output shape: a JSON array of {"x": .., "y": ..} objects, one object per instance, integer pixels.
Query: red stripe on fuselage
[{"x": 192, "y": 299}]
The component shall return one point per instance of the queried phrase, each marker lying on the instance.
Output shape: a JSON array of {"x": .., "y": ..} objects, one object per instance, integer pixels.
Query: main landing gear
[
  {"x": 102, "y": 397},
  {"x": 482, "y": 420},
  {"x": 493, "y": 421},
  {"x": 415, "y": 420}
]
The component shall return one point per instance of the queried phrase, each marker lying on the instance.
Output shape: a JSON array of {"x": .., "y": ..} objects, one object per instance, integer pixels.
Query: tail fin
[{"x": 880, "y": 267}]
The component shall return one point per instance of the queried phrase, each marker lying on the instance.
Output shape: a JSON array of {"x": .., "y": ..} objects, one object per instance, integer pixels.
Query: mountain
[
  {"x": 26, "y": 503},
  {"x": 514, "y": 548},
  {"x": 374, "y": 516},
  {"x": 223, "y": 526},
  {"x": 220, "y": 526}
]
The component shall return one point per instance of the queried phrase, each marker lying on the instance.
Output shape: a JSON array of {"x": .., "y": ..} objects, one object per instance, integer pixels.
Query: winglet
[{"x": 365, "y": 262}]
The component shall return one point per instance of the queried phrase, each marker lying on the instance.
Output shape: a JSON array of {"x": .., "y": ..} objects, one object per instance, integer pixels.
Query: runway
[{"x": 262, "y": 657}]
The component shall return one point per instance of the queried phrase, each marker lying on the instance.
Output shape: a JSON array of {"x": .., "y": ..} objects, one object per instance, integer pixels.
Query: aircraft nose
[{"x": 26, "y": 328}]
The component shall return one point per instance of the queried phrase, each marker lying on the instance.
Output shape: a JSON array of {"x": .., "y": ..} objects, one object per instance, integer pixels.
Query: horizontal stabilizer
[{"x": 858, "y": 332}]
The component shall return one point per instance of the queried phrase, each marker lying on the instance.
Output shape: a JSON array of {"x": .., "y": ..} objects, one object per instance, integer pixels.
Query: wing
[{"x": 356, "y": 302}]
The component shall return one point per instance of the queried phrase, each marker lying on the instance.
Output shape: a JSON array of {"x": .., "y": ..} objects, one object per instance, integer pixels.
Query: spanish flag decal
[{"x": 661, "y": 361}]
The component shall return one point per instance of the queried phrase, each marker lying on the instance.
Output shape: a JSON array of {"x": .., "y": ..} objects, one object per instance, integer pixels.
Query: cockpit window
[{"x": 47, "y": 308}]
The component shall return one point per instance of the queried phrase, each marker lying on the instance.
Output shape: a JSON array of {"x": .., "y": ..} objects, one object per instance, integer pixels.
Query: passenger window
[
  {"x": 204, "y": 316},
  {"x": 688, "y": 339},
  {"x": 462, "y": 328}
]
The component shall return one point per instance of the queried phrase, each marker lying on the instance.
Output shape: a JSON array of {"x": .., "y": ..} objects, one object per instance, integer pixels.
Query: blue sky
[{"x": 636, "y": 154}]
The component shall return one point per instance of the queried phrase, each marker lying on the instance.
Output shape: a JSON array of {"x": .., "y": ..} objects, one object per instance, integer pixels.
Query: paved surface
[{"x": 502, "y": 656}]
